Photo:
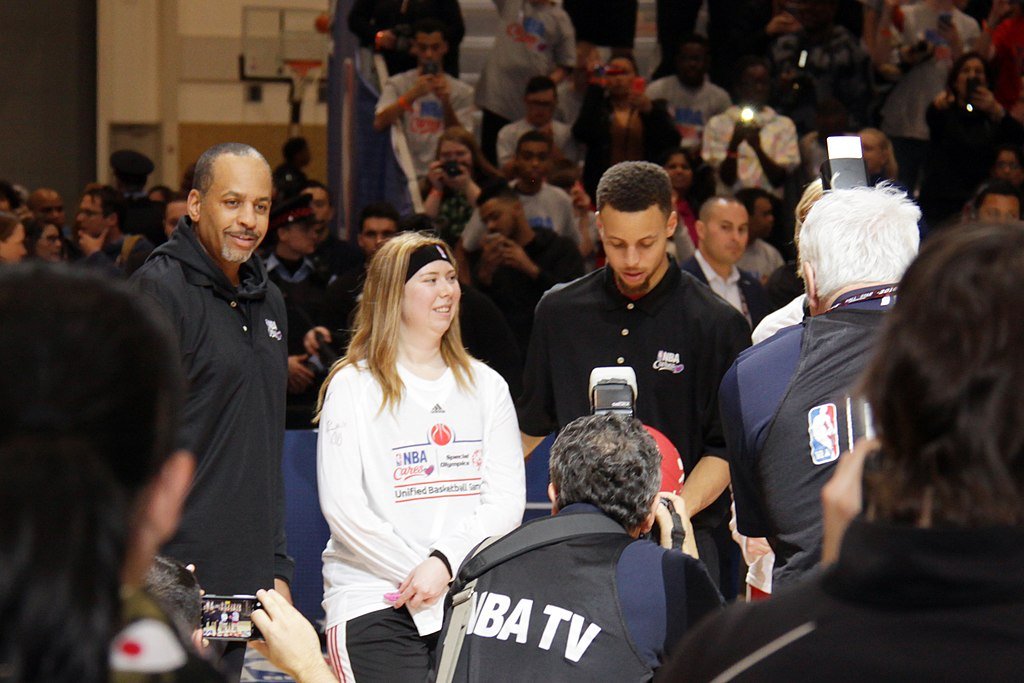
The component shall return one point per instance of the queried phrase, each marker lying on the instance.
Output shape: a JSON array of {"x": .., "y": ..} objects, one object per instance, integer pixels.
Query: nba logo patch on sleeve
[{"x": 824, "y": 433}]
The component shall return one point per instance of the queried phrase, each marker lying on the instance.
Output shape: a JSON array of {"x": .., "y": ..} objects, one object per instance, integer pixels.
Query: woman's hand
[
  {"x": 985, "y": 101},
  {"x": 943, "y": 100},
  {"x": 460, "y": 182},
  {"x": 424, "y": 585},
  {"x": 436, "y": 175},
  {"x": 842, "y": 497}
]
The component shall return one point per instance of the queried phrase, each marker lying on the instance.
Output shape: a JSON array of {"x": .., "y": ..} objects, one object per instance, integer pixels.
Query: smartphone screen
[{"x": 229, "y": 617}]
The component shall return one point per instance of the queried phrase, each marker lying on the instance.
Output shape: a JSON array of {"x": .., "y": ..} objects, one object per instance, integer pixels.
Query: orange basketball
[{"x": 323, "y": 23}]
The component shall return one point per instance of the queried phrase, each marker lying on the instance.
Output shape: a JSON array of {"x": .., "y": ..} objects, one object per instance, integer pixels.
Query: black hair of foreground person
[
  {"x": 89, "y": 401},
  {"x": 924, "y": 584}
]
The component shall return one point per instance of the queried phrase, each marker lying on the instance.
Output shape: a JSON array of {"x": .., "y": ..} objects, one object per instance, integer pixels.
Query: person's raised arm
[{"x": 393, "y": 104}]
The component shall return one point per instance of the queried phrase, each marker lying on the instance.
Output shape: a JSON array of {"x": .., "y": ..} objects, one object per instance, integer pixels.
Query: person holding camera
[
  {"x": 966, "y": 124},
  {"x": 385, "y": 26},
  {"x": 516, "y": 264},
  {"x": 750, "y": 144},
  {"x": 931, "y": 35},
  {"x": 454, "y": 179},
  {"x": 418, "y": 460},
  {"x": 90, "y": 481},
  {"x": 923, "y": 526},
  {"x": 425, "y": 101},
  {"x": 619, "y": 122},
  {"x": 617, "y": 604}
]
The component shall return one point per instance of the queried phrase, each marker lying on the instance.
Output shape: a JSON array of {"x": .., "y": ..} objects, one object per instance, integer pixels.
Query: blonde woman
[{"x": 418, "y": 460}]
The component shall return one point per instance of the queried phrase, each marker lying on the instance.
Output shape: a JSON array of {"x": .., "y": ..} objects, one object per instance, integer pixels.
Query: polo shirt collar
[{"x": 649, "y": 303}]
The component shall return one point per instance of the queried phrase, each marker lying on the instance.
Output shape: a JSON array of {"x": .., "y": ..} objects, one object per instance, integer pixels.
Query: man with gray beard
[{"x": 231, "y": 326}]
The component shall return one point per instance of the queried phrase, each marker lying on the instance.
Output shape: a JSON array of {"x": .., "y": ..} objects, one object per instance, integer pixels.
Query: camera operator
[
  {"x": 604, "y": 492},
  {"x": 924, "y": 585}
]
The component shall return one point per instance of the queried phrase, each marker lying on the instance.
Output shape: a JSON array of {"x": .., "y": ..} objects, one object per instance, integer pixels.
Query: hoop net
[{"x": 302, "y": 68}]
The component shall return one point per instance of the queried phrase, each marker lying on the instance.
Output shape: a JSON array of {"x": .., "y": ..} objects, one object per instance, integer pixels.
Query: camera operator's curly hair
[{"x": 610, "y": 461}]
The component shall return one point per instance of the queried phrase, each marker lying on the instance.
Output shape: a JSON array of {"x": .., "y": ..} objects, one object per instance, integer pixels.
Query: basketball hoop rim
[{"x": 302, "y": 67}]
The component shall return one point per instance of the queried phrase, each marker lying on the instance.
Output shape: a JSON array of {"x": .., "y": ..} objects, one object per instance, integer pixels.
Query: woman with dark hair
[
  {"x": 923, "y": 527},
  {"x": 453, "y": 182},
  {"x": 693, "y": 181},
  {"x": 43, "y": 241},
  {"x": 618, "y": 122},
  {"x": 90, "y": 484},
  {"x": 12, "y": 238},
  {"x": 966, "y": 124},
  {"x": 419, "y": 459}
]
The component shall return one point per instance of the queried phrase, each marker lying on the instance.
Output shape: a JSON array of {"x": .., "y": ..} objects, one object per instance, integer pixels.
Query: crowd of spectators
[{"x": 510, "y": 168}]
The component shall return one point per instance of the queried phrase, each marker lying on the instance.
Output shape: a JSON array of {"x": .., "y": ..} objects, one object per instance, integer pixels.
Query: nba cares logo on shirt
[
  {"x": 272, "y": 331},
  {"x": 440, "y": 434},
  {"x": 823, "y": 433},
  {"x": 668, "y": 361}
]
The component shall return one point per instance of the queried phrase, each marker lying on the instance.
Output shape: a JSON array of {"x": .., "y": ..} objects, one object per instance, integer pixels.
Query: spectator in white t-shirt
[
  {"x": 534, "y": 38},
  {"x": 546, "y": 207},
  {"x": 425, "y": 101},
  {"x": 692, "y": 99},
  {"x": 541, "y": 101}
]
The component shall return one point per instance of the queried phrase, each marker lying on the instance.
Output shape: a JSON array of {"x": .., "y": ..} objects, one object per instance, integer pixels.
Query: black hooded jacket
[{"x": 234, "y": 353}]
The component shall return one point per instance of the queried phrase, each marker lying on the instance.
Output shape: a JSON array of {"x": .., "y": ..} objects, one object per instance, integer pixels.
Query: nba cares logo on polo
[{"x": 440, "y": 434}]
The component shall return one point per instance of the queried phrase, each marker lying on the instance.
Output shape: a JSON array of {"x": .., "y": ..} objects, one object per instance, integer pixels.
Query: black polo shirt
[{"x": 680, "y": 338}]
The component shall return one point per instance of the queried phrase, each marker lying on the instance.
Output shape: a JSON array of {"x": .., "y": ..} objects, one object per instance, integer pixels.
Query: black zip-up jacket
[{"x": 234, "y": 353}]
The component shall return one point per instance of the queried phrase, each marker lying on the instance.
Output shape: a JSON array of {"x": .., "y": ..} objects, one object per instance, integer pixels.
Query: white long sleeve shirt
[{"x": 441, "y": 471}]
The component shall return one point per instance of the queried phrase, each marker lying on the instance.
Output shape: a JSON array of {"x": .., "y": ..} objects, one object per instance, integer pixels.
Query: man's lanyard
[{"x": 859, "y": 297}]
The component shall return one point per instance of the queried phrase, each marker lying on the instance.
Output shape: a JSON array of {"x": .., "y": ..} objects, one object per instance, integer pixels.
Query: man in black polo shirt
[
  {"x": 516, "y": 263},
  {"x": 640, "y": 311}
]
